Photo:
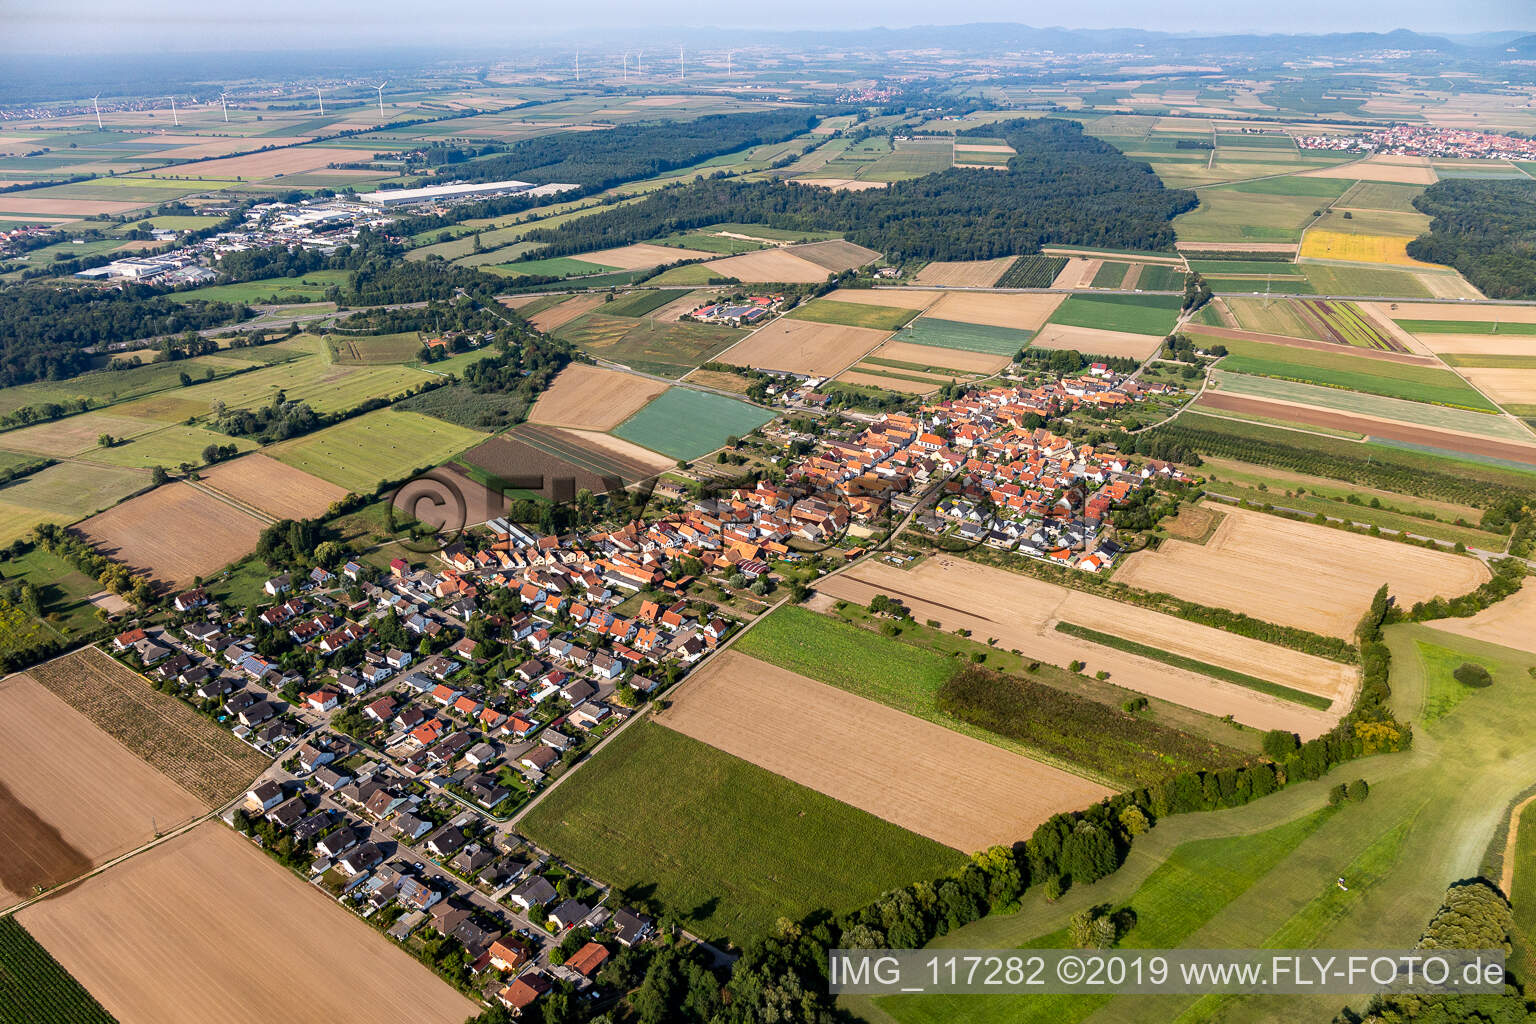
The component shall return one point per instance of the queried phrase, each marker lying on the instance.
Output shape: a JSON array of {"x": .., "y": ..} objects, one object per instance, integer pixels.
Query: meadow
[
  {"x": 1262, "y": 875},
  {"x": 936, "y": 333},
  {"x": 640, "y": 303},
  {"x": 1133, "y": 314},
  {"x": 686, "y": 424},
  {"x": 666, "y": 348},
  {"x": 852, "y": 314},
  {"x": 310, "y": 287},
  {"x": 1354, "y": 373},
  {"x": 733, "y": 850},
  {"x": 385, "y": 444}
]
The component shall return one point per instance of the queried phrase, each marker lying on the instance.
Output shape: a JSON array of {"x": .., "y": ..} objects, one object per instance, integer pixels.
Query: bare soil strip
[
  {"x": 1020, "y": 612},
  {"x": 1091, "y": 341},
  {"x": 945, "y": 785},
  {"x": 206, "y": 927}
]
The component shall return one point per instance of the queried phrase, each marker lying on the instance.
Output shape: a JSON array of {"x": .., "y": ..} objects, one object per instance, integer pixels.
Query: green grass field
[
  {"x": 374, "y": 348},
  {"x": 381, "y": 445},
  {"x": 1268, "y": 268},
  {"x": 726, "y": 846},
  {"x": 34, "y": 989},
  {"x": 1135, "y": 314},
  {"x": 1377, "y": 195},
  {"x": 936, "y": 333},
  {"x": 105, "y": 387},
  {"x": 1290, "y": 185},
  {"x": 685, "y": 424},
  {"x": 1228, "y": 215},
  {"x": 558, "y": 266},
  {"x": 1330, "y": 279},
  {"x": 1263, "y": 875},
  {"x": 1354, "y": 373},
  {"x": 705, "y": 241},
  {"x": 63, "y": 591},
  {"x": 852, "y": 314},
  {"x": 1159, "y": 277},
  {"x": 1186, "y": 890},
  {"x": 692, "y": 274},
  {"x": 1110, "y": 274},
  {"x": 311, "y": 286},
  {"x": 72, "y": 490}
]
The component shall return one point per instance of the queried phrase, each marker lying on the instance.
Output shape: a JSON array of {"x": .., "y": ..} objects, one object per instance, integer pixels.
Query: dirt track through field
[
  {"x": 1298, "y": 574},
  {"x": 1021, "y": 613},
  {"x": 71, "y": 796},
  {"x": 949, "y": 787},
  {"x": 206, "y": 927},
  {"x": 1387, "y": 429}
]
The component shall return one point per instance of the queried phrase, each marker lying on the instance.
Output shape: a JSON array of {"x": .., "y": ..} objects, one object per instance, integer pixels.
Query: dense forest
[
  {"x": 1064, "y": 187},
  {"x": 1486, "y": 230},
  {"x": 44, "y": 330},
  {"x": 602, "y": 159}
]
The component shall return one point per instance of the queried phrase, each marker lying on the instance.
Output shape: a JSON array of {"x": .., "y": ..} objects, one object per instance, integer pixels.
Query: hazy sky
[{"x": 63, "y": 26}]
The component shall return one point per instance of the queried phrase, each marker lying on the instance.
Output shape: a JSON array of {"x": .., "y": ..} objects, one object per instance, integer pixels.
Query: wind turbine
[
  {"x": 728, "y": 62},
  {"x": 174, "y": 116},
  {"x": 321, "y": 99},
  {"x": 578, "y": 65},
  {"x": 97, "y": 107},
  {"x": 224, "y": 101},
  {"x": 624, "y": 58},
  {"x": 380, "y": 87},
  {"x": 638, "y": 70},
  {"x": 681, "y": 71}
]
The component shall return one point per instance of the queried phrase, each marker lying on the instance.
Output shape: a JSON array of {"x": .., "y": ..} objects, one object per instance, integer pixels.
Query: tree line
[
  {"x": 1063, "y": 187},
  {"x": 601, "y": 159},
  {"x": 1484, "y": 230}
]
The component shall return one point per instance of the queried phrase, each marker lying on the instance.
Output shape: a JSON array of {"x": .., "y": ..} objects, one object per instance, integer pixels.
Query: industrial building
[{"x": 437, "y": 193}]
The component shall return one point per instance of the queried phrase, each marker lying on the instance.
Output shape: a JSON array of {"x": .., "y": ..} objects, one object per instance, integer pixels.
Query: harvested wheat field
[
  {"x": 563, "y": 313},
  {"x": 586, "y": 397},
  {"x": 71, "y": 797},
  {"x": 202, "y": 758},
  {"x": 1504, "y": 386},
  {"x": 173, "y": 533},
  {"x": 839, "y": 184},
  {"x": 1092, "y": 341},
  {"x": 968, "y": 274},
  {"x": 954, "y": 789},
  {"x": 1298, "y": 574},
  {"x": 1078, "y": 273},
  {"x": 198, "y": 148},
  {"x": 65, "y": 207},
  {"x": 1403, "y": 170},
  {"x": 1459, "y": 312},
  {"x": 1021, "y": 612},
  {"x": 1025, "y": 312},
  {"x": 899, "y": 298},
  {"x": 206, "y": 927},
  {"x": 269, "y": 486},
  {"x": 1479, "y": 344},
  {"x": 875, "y": 380},
  {"x": 1508, "y": 623},
  {"x": 295, "y": 160},
  {"x": 802, "y": 346},
  {"x": 946, "y": 358},
  {"x": 770, "y": 266},
  {"x": 642, "y": 256}
]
